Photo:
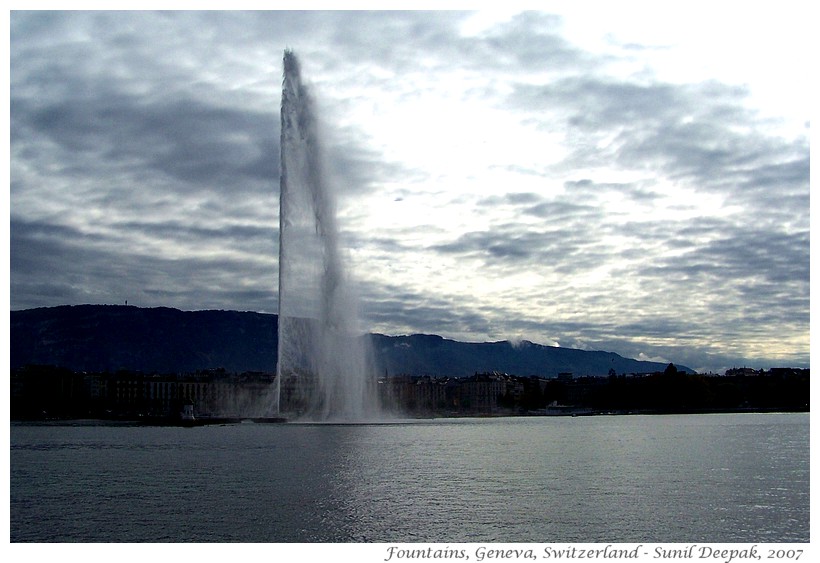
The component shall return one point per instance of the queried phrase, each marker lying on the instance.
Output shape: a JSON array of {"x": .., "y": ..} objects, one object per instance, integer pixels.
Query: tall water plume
[{"x": 324, "y": 368}]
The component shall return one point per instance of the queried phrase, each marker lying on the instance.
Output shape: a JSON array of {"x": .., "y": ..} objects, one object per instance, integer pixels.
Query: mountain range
[{"x": 98, "y": 338}]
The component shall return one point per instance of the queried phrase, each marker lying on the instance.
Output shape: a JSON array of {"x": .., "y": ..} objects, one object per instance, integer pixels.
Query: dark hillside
[
  {"x": 98, "y": 338},
  {"x": 111, "y": 337}
]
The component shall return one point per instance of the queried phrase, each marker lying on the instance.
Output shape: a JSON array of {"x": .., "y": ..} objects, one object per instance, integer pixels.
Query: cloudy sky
[{"x": 633, "y": 180}]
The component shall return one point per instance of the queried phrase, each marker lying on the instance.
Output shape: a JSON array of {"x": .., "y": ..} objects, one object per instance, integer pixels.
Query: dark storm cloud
[
  {"x": 159, "y": 187},
  {"x": 124, "y": 88},
  {"x": 248, "y": 238},
  {"x": 56, "y": 262},
  {"x": 204, "y": 147},
  {"x": 757, "y": 276},
  {"x": 774, "y": 257},
  {"x": 40, "y": 255}
]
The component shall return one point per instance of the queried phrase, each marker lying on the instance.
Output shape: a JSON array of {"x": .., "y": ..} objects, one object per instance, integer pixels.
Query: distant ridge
[
  {"x": 423, "y": 354},
  {"x": 166, "y": 340}
]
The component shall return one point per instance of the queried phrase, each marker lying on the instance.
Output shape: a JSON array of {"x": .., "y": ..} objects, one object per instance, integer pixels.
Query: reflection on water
[{"x": 692, "y": 478}]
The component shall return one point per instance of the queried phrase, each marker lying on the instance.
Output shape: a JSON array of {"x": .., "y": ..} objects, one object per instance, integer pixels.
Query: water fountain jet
[{"x": 324, "y": 365}]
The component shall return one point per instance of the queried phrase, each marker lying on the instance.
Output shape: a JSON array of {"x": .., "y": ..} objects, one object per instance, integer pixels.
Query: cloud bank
[{"x": 496, "y": 177}]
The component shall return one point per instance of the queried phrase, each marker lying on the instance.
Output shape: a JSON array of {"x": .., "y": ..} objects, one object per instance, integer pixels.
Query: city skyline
[{"x": 569, "y": 178}]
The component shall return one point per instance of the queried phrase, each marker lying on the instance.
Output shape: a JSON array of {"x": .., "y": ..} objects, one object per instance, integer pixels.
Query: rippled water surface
[{"x": 689, "y": 478}]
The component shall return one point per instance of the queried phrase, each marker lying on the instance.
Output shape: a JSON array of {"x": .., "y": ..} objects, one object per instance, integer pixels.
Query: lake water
[{"x": 689, "y": 478}]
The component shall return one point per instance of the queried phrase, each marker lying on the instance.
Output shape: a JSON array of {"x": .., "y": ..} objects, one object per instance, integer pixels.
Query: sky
[{"x": 630, "y": 177}]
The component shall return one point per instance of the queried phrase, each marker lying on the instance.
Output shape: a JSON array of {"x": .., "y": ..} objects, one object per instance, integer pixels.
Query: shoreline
[{"x": 230, "y": 421}]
